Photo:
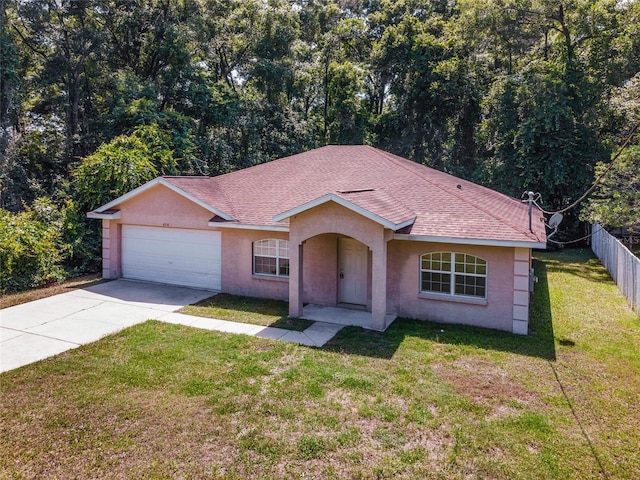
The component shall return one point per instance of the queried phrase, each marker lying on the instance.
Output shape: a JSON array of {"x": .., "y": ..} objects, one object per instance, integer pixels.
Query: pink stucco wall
[
  {"x": 333, "y": 218},
  {"x": 330, "y": 217},
  {"x": 237, "y": 265},
  {"x": 111, "y": 232},
  {"x": 403, "y": 286},
  {"x": 160, "y": 206}
]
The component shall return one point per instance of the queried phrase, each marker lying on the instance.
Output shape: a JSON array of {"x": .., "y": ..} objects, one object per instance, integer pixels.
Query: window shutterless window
[
  {"x": 454, "y": 274},
  {"x": 271, "y": 257}
]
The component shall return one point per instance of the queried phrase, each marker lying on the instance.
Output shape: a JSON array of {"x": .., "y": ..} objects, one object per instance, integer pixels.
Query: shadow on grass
[
  {"x": 580, "y": 262},
  {"x": 539, "y": 343},
  {"x": 358, "y": 341},
  {"x": 288, "y": 323},
  {"x": 256, "y": 311}
]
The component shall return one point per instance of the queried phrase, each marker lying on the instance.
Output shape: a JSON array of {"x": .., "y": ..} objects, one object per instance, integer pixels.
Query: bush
[
  {"x": 46, "y": 244},
  {"x": 31, "y": 250}
]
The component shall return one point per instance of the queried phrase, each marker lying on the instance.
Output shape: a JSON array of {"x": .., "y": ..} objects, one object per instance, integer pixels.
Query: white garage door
[{"x": 172, "y": 255}]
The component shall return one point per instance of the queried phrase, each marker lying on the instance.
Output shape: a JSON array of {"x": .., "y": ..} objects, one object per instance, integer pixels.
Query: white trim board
[
  {"x": 105, "y": 216},
  {"x": 400, "y": 236},
  {"x": 470, "y": 241},
  {"x": 161, "y": 181},
  {"x": 244, "y": 226}
]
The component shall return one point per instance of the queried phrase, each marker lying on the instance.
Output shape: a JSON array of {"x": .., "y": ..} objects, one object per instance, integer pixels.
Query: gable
[
  {"x": 159, "y": 205},
  {"x": 113, "y": 206},
  {"x": 331, "y": 217},
  {"x": 372, "y": 204}
]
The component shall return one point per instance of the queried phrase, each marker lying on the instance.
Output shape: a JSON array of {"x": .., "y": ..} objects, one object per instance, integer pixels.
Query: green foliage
[
  {"x": 517, "y": 95},
  {"x": 31, "y": 247},
  {"x": 46, "y": 243},
  {"x": 82, "y": 240},
  {"x": 537, "y": 137},
  {"x": 237, "y": 83},
  {"x": 159, "y": 129},
  {"x": 616, "y": 202},
  {"x": 345, "y": 114},
  {"x": 123, "y": 164}
]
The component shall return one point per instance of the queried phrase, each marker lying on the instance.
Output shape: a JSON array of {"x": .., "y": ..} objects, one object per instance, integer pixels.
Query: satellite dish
[{"x": 555, "y": 220}]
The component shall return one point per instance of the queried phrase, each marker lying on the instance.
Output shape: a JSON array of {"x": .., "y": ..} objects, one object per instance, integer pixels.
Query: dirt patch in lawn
[
  {"x": 486, "y": 384},
  {"x": 9, "y": 300}
]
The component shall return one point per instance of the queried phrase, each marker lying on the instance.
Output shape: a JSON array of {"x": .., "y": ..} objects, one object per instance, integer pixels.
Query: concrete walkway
[
  {"x": 37, "y": 330},
  {"x": 342, "y": 316}
]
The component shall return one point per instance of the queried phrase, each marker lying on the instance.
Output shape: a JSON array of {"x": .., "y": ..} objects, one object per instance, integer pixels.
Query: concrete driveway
[{"x": 42, "y": 328}]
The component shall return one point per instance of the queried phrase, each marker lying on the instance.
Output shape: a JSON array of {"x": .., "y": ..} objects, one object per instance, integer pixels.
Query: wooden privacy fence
[{"x": 623, "y": 266}]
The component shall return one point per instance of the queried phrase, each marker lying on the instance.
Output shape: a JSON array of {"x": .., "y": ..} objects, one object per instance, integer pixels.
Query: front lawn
[
  {"x": 256, "y": 311},
  {"x": 420, "y": 401}
]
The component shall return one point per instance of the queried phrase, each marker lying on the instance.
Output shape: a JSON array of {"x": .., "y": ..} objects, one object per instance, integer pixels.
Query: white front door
[{"x": 353, "y": 272}]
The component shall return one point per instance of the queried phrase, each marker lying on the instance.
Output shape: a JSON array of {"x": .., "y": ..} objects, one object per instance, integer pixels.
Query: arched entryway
[
  {"x": 367, "y": 240},
  {"x": 336, "y": 280},
  {"x": 336, "y": 271}
]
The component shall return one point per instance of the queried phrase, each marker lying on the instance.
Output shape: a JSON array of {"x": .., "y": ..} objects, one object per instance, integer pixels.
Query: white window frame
[
  {"x": 279, "y": 251},
  {"x": 466, "y": 262}
]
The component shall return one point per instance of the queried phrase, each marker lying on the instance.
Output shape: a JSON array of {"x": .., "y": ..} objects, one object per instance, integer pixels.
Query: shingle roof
[
  {"x": 380, "y": 203},
  {"x": 387, "y": 185}
]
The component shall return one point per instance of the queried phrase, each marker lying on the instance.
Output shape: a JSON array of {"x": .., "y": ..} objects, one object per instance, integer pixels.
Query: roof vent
[{"x": 357, "y": 191}]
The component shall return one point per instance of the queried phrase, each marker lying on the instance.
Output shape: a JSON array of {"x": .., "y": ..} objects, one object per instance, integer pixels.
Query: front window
[
  {"x": 271, "y": 257},
  {"x": 455, "y": 274}
]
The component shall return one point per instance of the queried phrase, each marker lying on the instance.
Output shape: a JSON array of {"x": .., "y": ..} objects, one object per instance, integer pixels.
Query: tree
[
  {"x": 536, "y": 138},
  {"x": 121, "y": 165},
  {"x": 346, "y": 117},
  {"x": 430, "y": 87},
  {"x": 65, "y": 37},
  {"x": 514, "y": 94},
  {"x": 13, "y": 177},
  {"x": 616, "y": 201}
]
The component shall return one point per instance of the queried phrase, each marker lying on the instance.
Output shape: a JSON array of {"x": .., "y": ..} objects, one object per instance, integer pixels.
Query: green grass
[
  {"x": 422, "y": 400},
  {"x": 256, "y": 311}
]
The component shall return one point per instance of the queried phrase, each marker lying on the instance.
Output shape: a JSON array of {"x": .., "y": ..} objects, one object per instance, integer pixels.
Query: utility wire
[
  {"x": 597, "y": 181},
  {"x": 577, "y": 239}
]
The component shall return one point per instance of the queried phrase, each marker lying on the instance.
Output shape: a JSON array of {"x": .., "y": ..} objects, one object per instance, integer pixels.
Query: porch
[{"x": 343, "y": 316}]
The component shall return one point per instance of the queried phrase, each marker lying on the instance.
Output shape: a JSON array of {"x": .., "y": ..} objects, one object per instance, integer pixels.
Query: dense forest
[{"x": 99, "y": 96}]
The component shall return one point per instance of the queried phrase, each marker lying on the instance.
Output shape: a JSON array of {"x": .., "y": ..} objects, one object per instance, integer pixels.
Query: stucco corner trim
[
  {"x": 520, "y": 327},
  {"x": 332, "y": 197}
]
